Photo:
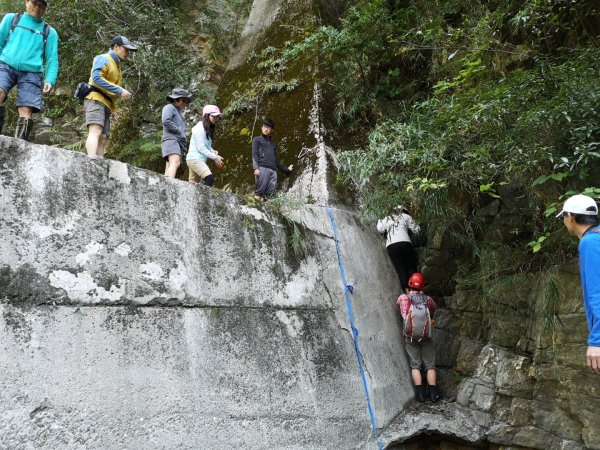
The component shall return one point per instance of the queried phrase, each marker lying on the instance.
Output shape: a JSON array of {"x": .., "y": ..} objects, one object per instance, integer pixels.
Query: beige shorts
[
  {"x": 420, "y": 354},
  {"x": 198, "y": 170},
  {"x": 96, "y": 113}
]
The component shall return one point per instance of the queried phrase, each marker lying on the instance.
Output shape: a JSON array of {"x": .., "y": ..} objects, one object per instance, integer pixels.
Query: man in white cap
[{"x": 580, "y": 216}]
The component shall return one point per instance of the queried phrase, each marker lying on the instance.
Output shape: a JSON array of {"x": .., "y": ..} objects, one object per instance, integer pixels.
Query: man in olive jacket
[{"x": 106, "y": 80}]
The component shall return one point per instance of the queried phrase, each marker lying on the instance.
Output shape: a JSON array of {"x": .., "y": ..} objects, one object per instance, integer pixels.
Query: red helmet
[{"x": 416, "y": 281}]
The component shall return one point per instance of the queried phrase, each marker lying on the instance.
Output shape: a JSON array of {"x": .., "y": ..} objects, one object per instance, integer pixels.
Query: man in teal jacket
[
  {"x": 27, "y": 44},
  {"x": 580, "y": 216}
]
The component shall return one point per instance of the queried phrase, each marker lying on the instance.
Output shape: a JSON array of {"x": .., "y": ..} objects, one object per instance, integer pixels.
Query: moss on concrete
[{"x": 290, "y": 109}]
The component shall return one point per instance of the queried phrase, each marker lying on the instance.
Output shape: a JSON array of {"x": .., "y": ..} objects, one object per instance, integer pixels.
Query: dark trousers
[{"x": 405, "y": 260}]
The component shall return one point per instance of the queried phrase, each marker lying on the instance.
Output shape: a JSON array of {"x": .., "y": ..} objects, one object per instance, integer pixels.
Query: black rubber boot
[
  {"x": 24, "y": 127},
  {"x": 209, "y": 180},
  {"x": 421, "y": 393},
  {"x": 436, "y": 394},
  {"x": 1, "y": 118}
]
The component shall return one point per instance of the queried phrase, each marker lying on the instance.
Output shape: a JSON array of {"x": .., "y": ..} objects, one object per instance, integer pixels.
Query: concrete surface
[{"x": 142, "y": 312}]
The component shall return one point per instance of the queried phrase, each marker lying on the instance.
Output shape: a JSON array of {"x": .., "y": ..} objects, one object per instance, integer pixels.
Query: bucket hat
[{"x": 179, "y": 93}]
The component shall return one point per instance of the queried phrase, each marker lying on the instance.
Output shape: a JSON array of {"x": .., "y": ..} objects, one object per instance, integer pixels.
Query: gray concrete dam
[{"x": 142, "y": 312}]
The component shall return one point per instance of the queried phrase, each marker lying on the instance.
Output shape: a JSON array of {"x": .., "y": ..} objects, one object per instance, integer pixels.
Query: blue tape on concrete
[{"x": 348, "y": 289}]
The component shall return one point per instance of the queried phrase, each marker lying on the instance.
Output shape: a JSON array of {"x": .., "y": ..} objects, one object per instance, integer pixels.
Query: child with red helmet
[{"x": 417, "y": 309}]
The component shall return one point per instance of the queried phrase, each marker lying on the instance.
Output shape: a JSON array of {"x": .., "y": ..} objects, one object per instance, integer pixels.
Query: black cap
[
  {"x": 269, "y": 123},
  {"x": 123, "y": 42}
]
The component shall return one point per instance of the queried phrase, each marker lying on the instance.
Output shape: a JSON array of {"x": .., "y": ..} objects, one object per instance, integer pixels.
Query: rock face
[
  {"x": 514, "y": 341},
  {"x": 142, "y": 312},
  {"x": 258, "y": 84},
  {"x": 254, "y": 35}
]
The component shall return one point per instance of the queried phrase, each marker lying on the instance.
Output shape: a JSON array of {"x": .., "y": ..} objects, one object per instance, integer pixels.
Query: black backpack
[{"x": 82, "y": 90}]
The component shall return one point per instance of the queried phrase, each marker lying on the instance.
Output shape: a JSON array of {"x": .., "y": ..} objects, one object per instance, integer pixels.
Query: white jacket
[{"x": 397, "y": 227}]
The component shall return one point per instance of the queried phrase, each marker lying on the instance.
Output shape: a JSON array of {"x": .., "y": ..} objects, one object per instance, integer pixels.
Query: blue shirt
[{"x": 589, "y": 269}]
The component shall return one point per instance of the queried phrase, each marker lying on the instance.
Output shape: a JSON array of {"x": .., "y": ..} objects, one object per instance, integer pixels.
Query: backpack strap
[
  {"x": 101, "y": 92},
  {"x": 15, "y": 23},
  {"x": 595, "y": 229},
  {"x": 45, "y": 33}
]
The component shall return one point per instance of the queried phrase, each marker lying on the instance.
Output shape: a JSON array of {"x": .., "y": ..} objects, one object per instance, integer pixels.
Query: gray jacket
[{"x": 174, "y": 127}]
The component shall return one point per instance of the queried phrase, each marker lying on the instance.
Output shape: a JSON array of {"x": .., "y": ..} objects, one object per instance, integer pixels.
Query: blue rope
[{"x": 348, "y": 289}]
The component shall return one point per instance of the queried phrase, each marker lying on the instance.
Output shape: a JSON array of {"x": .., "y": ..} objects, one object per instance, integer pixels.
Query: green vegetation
[
  {"x": 467, "y": 96},
  {"x": 284, "y": 206}
]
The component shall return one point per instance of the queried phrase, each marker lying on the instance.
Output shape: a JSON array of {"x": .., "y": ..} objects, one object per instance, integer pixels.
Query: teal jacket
[{"x": 24, "y": 50}]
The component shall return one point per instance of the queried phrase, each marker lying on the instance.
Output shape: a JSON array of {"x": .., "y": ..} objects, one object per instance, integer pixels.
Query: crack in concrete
[{"x": 273, "y": 308}]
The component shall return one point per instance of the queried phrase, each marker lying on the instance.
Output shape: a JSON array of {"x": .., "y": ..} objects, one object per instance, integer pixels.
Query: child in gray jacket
[{"x": 174, "y": 141}]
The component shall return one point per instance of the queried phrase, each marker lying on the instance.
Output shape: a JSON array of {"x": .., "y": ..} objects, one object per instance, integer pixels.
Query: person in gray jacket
[
  {"x": 265, "y": 162},
  {"x": 395, "y": 228},
  {"x": 174, "y": 141}
]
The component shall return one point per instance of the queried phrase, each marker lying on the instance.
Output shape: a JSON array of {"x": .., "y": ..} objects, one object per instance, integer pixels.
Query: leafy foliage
[
  {"x": 449, "y": 102},
  {"x": 506, "y": 93}
]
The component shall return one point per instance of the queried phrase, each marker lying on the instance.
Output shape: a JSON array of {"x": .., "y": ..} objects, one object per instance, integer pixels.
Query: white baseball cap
[{"x": 579, "y": 204}]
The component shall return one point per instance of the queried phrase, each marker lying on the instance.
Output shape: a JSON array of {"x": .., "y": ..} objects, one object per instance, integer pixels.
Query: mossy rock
[{"x": 286, "y": 94}]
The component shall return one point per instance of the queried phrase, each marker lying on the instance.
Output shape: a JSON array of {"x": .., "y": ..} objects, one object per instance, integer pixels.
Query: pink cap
[{"x": 212, "y": 110}]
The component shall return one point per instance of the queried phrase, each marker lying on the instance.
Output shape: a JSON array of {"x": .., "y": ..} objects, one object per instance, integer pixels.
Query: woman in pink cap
[{"x": 201, "y": 149}]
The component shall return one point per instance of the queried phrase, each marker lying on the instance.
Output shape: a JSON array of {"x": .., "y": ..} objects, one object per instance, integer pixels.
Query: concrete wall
[{"x": 142, "y": 312}]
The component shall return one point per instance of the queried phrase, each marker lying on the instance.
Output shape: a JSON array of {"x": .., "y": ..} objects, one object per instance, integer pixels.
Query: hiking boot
[
  {"x": 24, "y": 126},
  {"x": 421, "y": 393},
  {"x": 436, "y": 394},
  {"x": 1, "y": 118}
]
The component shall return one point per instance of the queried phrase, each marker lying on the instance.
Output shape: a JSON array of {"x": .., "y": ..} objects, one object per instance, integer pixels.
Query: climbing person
[
  {"x": 265, "y": 162},
  {"x": 106, "y": 81},
  {"x": 417, "y": 309},
  {"x": 201, "y": 149},
  {"x": 395, "y": 228},
  {"x": 580, "y": 217},
  {"x": 174, "y": 140},
  {"x": 27, "y": 46}
]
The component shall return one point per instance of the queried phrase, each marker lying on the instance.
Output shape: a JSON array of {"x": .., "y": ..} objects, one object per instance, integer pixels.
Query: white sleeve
[
  {"x": 383, "y": 225},
  {"x": 412, "y": 224}
]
